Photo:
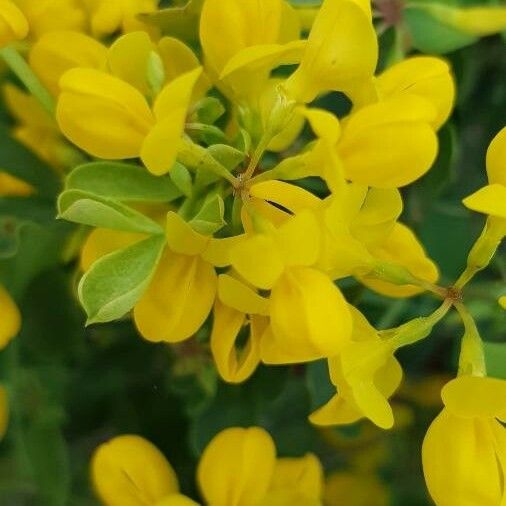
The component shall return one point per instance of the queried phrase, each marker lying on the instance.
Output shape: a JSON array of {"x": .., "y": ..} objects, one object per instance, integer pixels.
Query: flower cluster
[{"x": 184, "y": 153}]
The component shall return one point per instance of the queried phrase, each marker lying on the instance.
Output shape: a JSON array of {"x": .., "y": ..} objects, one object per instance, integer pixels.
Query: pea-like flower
[
  {"x": 464, "y": 451},
  {"x": 237, "y": 468}
]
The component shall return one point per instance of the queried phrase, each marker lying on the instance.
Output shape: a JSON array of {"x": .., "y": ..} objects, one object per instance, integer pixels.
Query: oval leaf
[
  {"x": 116, "y": 282},
  {"x": 121, "y": 181},
  {"x": 89, "y": 209}
]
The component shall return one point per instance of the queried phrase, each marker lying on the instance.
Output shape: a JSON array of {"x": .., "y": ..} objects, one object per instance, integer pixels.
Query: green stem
[
  {"x": 417, "y": 329},
  {"x": 20, "y": 67}
]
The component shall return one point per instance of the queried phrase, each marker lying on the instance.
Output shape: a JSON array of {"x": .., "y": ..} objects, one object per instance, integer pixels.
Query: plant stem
[{"x": 20, "y": 67}]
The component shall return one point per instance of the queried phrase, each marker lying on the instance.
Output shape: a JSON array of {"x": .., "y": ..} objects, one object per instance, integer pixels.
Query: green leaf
[
  {"x": 431, "y": 35},
  {"x": 208, "y": 134},
  {"x": 121, "y": 181},
  {"x": 20, "y": 162},
  {"x": 116, "y": 282},
  {"x": 495, "y": 358},
  {"x": 210, "y": 217},
  {"x": 181, "y": 178},
  {"x": 208, "y": 110},
  {"x": 228, "y": 156},
  {"x": 89, "y": 209}
]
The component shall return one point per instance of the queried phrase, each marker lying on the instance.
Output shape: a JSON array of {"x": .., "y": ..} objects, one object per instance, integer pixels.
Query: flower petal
[
  {"x": 102, "y": 114},
  {"x": 178, "y": 300},
  {"x": 130, "y": 471},
  {"x": 236, "y": 467}
]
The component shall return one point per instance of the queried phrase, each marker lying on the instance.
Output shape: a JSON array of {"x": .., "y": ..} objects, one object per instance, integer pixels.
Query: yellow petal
[
  {"x": 181, "y": 237},
  {"x": 496, "y": 159},
  {"x": 178, "y": 300},
  {"x": 323, "y": 123},
  {"x": 402, "y": 248},
  {"x": 13, "y": 24},
  {"x": 130, "y": 471},
  {"x": 235, "y": 364},
  {"x": 102, "y": 114},
  {"x": 285, "y": 194},
  {"x": 11, "y": 186},
  {"x": 49, "y": 16},
  {"x": 228, "y": 26},
  {"x": 128, "y": 59},
  {"x": 303, "y": 475},
  {"x": 112, "y": 16},
  {"x": 502, "y": 301},
  {"x": 160, "y": 148},
  {"x": 177, "y": 57},
  {"x": 298, "y": 239},
  {"x": 373, "y": 404},
  {"x": 247, "y": 73},
  {"x": 459, "y": 462},
  {"x": 489, "y": 200},
  {"x": 10, "y": 323},
  {"x": 337, "y": 411},
  {"x": 342, "y": 47},
  {"x": 377, "y": 216},
  {"x": 309, "y": 316},
  {"x": 472, "y": 396},
  {"x": 4, "y": 411},
  {"x": 236, "y": 467},
  {"x": 241, "y": 297},
  {"x": 218, "y": 251},
  {"x": 258, "y": 260},
  {"x": 389, "y": 144},
  {"x": 426, "y": 76},
  {"x": 56, "y": 52}
]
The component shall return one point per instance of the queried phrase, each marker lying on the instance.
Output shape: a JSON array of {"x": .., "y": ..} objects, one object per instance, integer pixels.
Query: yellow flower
[
  {"x": 4, "y": 411},
  {"x": 401, "y": 248},
  {"x": 283, "y": 260},
  {"x": 491, "y": 199},
  {"x": 114, "y": 15},
  {"x": 243, "y": 41},
  {"x": 49, "y": 15},
  {"x": 365, "y": 374},
  {"x": 238, "y": 309},
  {"x": 425, "y": 76},
  {"x": 341, "y": 51},
  {"x": 13, "y": 24},
  {"x": 464, "y": 451},
  {"x": 391, "y": 143},
  {"x": 58, "y": 51},
  {"x": 10, "y": 323},
  {"x": 109, "y": 117},
  {"x": 130, "y": 471},
  {"x": 181, "y": 294},
  {"x": 238, "y": 468}
]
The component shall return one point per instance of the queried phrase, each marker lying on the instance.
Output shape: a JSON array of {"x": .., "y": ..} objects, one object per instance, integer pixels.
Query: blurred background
[{"x": 74, "y": 387}]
